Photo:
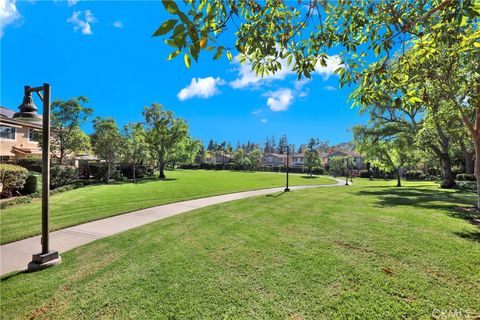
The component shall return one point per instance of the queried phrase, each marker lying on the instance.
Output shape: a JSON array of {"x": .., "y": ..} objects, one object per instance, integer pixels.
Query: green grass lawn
[
  {"x": 368, "y": 251},
  {"x": 101, "y": 201}
]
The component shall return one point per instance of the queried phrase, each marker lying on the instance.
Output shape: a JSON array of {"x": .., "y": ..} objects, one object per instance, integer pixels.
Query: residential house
[
  {"x": 274, "y": 159},
  {"x": 17, "y": 138},
  {"x": 357, "y": 158},
  {"x": 218, "y": 158},
  {"x": 297, "y": 160}
]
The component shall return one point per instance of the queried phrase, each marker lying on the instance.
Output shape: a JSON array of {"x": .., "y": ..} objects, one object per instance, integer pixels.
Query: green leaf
[
  {"x": 218, "y": 53},
  {"x": 173, "y": 54},
  {"x": 165, "y": 27},
  {"x": 186, "y": 59},
  {"x": 170, "y": 6},
  {"x": 229, "y": 55}
]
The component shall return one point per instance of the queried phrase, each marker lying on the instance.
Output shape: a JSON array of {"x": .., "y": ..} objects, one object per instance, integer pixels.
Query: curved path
[{"x": 16, "y": 255}]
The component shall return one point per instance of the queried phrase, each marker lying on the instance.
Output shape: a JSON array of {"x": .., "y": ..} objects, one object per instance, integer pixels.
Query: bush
[
  {"x": 467, "y": 185},
  {"x": 415, "y": 175},
  {"x": 98, "y": 171},
  {"x": 31, "y": 185},
  {"x": 466, "y": 177},
  {"x": 31, "y": 164},
  {"x": 12, "y": 178},
  {"x": 365, "y": 174},
  {"x": 62, "y": 175},
  {"x": 127, "y": 171},
  {"x": 15, "y": 201}
]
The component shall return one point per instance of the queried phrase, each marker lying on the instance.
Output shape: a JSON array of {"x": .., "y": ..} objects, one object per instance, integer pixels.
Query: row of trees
[{"x": 160, "y": 140}]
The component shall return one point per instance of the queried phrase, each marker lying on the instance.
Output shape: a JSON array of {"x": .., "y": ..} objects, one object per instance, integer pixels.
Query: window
[
  {"x": 7, "y": 132},
  {"x": 32, "y": 135}
]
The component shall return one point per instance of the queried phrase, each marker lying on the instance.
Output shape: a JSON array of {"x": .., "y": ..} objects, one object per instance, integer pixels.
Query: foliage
[
  {"x": 31, "y": 185},
  {"x": 32, "y": 164},
  {"x": 466, "y": 177},
  {"x": 165, "y": 134},
  {"x": 12, "y": 178},
  {"x": 255, "y": 158},
  {"x": 67, "y": 138},
  {"x": 61, "y": 175},
  {"x": 241, "y": 159},
  {"x": 365, "y": 174},
  {"x": 135, "y": 146},
  {"x": 106, "y": 142}
]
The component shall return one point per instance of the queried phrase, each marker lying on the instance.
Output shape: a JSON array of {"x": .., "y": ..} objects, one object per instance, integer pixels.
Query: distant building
[
  {"x": 17, "y": 138},
  {"x": 297, "y": 160},
  {"x": 357, "y": 158},
  {"x": 274, "y": 159},
  {"x": 218, "y": 158}
]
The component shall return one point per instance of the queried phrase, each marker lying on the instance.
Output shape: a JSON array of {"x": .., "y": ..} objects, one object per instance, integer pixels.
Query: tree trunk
[
  {"x": 399, "y": 181},
  {"x": 161, "y": 167},
  {"x": 108, "y": 172},
  {"x": 477, "y": 169},
  {"x": 134, "y": 180},
  {"x": 469, "y": 163},
  {"x": 448, "y": 181}
]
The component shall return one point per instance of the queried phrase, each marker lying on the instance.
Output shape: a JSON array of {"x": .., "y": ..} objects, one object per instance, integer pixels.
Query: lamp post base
[
  {"x": 286, "y": 190},
  {"x": 44, "y": 260}
]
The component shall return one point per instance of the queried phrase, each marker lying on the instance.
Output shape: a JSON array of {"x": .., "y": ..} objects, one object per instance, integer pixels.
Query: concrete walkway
[{"x": 16, "y": 255}]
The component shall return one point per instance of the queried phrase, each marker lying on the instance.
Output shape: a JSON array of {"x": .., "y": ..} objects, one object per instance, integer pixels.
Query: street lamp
[
  {"x": 28, "y": 113},
  {"x": 345, "y": 161},
  {"x": 287, "y": 169}
]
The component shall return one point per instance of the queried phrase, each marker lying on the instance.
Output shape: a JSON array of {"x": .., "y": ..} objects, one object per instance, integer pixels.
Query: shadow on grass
[
  {"x": 310, "y": 177},
  {"x": 457, "y": 204},
  {"x": 469, "y": 235},
  {"x": 276, "y": 195}
]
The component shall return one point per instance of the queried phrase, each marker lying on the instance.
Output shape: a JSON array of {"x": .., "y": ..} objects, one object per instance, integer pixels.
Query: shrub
[
  {"x": 365, "y": 174},
  {"x": 62, "y": 175},
  {"x": 98, "y": 171},
  {"x": 31, "y": 164},
  {"x": 127, "y": 171},
  {"x": 466, "y": 177},
  {"x": 415, "y": 175},
  {"x": 31, "y": 185},
  {"x": 12, "y": 178},
  {"x": 15, "y": 201},
  {"x": 467, "y": 185}
]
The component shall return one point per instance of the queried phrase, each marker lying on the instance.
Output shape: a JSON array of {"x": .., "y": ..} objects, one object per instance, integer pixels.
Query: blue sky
[{"x": 104, "y": 50}]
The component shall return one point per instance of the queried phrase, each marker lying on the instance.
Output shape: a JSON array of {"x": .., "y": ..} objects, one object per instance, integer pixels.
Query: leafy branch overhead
[{"x": 303, "y": 33}]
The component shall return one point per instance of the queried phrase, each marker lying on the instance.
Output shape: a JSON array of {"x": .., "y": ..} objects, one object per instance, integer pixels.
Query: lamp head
[{"x": 28, "y": 110}]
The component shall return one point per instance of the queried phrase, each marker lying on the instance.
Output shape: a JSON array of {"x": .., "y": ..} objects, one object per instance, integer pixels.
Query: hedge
[
  {"x": 31, "y": 185},
  {"x": 62, "y": 175},
  {"x": 466, "y": 177},
  {"x": 12, "y": 178},
  {"x": 31, "y": 164}
]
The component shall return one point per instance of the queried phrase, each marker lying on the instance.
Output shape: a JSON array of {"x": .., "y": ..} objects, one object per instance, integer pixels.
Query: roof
[
  {"x": 278, "y": 155},
  {"x": 17, "y": 123},
  {"x": 6, "y": 113}
]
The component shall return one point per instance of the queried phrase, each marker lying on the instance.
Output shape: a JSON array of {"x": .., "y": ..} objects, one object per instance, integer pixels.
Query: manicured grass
[
  {"x": 368, "y": 251},
  {"x": 101, "y": 201}
]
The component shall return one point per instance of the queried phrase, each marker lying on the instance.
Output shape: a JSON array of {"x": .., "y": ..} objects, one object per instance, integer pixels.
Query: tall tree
[
  {"x": 135, "y": 147},
  {"x": 67, "y": 138},
  {"x": 255, "y": 157},
  {"x": 164, "y": 134},
  {"x": 282, "y": 145},
  {"x": 106, "y": 142}
]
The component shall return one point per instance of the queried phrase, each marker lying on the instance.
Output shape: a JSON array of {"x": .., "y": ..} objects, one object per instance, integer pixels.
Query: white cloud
[
  {"x": 72, "y": 2},
  {"x": 279, "y": 100},
  {"x": 330, "y": 88},
  {"x": 201, "y": 87},
  {"x": 257, "y": 112},
  {"x": 8, "y": 14},
  {"x": 82, "y": 24},
  {"x": 333, "y": 63},
  {"x": 118, "y": 24},
  {"x": 263, "y": 120},
  {"x": 247, "y": 78}
]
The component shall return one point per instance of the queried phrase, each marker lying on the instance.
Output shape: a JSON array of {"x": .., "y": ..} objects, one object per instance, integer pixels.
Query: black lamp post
[
  {"x": 345, "y": 160},
  {"x": 287, "y": 168},
  {"x": 28, "y": 113}
]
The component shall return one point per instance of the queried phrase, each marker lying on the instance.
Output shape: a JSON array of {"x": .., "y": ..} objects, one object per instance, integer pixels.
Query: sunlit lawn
[
  {"x": 368, "y": 251},
  {"x": 100, "y": 201}
]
